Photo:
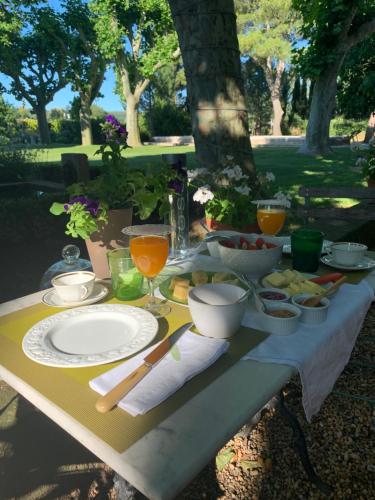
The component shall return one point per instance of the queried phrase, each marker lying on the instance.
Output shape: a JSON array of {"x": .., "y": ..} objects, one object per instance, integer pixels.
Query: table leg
[{"x": 299, "y": 443}]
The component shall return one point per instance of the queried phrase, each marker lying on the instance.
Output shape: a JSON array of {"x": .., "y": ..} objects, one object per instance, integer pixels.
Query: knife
[{"x": 109, "y": 400}]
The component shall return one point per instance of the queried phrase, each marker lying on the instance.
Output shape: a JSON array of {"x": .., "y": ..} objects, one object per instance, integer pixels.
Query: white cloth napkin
[
  {"x": 190, "y": 355},
  {"x": 318, "y": 352}
]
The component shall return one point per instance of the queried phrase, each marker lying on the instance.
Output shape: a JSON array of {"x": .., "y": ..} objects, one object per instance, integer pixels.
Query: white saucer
[
  {"x": 366, "y": 263},
  {"x": 52, "y": 299}
]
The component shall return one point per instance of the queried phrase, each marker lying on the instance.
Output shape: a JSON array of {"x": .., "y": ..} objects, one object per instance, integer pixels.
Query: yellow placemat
[{"x": 68, "y": 387}]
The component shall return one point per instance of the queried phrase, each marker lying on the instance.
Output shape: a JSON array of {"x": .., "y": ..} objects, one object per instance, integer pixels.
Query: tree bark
[
  {"x": 132, "y": 100},
  {"x": 273, "y": 78},
  {"x": 324, "y": 93},
  {"x": 85, "y": 122},
  {"x": 41, "y": 115},
  {"x": 210, "y": 52},
  {"x": 321, "y": 110},
  {"x": 370, "y": 130},
  {"x": 134, "y": 137}
]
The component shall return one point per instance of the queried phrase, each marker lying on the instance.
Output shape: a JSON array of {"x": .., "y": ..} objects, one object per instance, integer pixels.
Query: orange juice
[
  {"x": 271, "y": 220},
  {"x": 149, "y": 254}
]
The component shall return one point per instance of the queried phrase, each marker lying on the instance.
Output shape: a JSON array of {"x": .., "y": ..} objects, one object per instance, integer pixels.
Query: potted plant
[
  {"x": 100, "y": 208},
  {"x": 227, "y": 195}
]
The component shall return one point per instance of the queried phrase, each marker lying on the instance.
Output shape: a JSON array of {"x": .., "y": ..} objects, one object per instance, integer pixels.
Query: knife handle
[{"x": 109, "y": 400}]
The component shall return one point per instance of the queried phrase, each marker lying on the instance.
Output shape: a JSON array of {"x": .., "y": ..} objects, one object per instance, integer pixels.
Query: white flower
[
  {"x": 192, "y": 174},
  {"x": 270, "y": 177},
  {"x": 285, "y": 198},
  {"x": 229, "y": 157},
  {"x": 203, "y": 195},
  {"x": 234, "y": 173},
  {"x": 243, "y": 190}
]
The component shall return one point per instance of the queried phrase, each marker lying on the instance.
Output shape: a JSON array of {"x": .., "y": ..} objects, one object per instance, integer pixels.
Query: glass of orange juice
[
  {"x": 271, "y": 215},
  {"x": 149, "y": 247}
]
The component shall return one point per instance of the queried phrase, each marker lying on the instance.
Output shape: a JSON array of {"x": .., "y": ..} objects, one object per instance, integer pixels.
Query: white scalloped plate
[{"x": 89, "y": 336}]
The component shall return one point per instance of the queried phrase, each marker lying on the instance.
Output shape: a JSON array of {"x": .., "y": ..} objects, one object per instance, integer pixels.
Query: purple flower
[
  {"x": 91, "y": 206},
  {"x": 177, "y": 185},
  {"x": 113, "y": 121}
]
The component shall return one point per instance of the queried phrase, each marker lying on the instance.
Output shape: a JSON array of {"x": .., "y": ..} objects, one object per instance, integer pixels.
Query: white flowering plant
[{"x": 227, "y": 193}]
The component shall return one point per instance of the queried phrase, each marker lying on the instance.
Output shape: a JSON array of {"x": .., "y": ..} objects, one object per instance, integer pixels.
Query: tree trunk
[
  {"x": 370, "y": 130},
  {"x": 85, "y": 122},
  {"x": 209, "y": 46},
  {"x": 321, "y": 110},
  {"x": 41, "y": 115},
  {"x": 134, "y": 138},
  {"x": 273, "y": 79},
  {"x": 277, "y": 116}
]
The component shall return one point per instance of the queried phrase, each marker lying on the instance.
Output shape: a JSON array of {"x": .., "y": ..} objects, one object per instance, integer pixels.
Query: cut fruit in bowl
[{"x": 252, "y": 255}]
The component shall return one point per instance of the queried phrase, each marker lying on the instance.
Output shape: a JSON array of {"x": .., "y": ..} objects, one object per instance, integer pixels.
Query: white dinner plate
[
  {"x": 89, "y": 336},
  {"x": 52, "y": 299},
  {"x": 365, "y": 264}
]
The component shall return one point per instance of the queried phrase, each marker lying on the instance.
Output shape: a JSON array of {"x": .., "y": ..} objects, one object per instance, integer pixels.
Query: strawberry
[
  {"x": 229, "y": 244},
  {"x": 270, "y": 245},
  {"x": 259, "y": 242},
  {"x": 244, "y": 244}
]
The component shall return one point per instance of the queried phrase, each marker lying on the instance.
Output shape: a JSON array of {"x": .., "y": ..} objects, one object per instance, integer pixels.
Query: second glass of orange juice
[
  {"x": 271, "y": 215},
  {"x": 149, "y": 247}
]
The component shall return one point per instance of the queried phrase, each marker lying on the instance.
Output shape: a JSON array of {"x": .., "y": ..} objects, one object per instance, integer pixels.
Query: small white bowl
[
  {"x": 280, "y": 326},
  {"x": 311, "y": 315},
  {"x": 253, "y": 263},
  {"x": 217, "y": 309},
  {"x": 258, "y": 303}
]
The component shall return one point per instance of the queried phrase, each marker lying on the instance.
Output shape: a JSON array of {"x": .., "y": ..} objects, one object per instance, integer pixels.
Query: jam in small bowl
[{"x": 270, "y": 296}]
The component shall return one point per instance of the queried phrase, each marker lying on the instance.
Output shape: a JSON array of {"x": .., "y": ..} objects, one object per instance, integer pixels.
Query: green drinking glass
[
  {"x": 127, "y": 281},
  {"x": 306, "y": 249}
]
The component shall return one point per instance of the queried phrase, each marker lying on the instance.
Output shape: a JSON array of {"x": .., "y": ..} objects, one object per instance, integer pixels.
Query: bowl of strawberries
[{"x": 252, "y": 255}]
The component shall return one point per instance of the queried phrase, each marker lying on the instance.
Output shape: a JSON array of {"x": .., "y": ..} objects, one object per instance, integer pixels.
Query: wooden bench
[{"x": 362, "y": 211}]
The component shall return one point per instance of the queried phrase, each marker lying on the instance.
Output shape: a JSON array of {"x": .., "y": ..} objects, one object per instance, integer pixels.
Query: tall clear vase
[
  {"x": 179, "y": 220},
  {"x": 179, "y": 206}
]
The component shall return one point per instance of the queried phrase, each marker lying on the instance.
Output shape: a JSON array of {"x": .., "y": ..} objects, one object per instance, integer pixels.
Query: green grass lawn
[{"x": 291, "y": 169}]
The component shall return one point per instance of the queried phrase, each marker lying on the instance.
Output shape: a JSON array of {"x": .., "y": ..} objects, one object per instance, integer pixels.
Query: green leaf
[
  {"x": 57, "y": 208},
  {"x": 223, "y": 458},
  {"x": 175, "y": 352}
]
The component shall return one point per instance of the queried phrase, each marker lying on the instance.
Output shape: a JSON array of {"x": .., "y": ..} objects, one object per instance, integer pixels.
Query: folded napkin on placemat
[
  {"x": 190, "y": 355},
  {"x": 318, "y": 352}
]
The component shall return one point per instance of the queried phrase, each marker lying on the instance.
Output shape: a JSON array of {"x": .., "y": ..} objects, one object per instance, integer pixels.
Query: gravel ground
[{"x": 258, "y": 463}]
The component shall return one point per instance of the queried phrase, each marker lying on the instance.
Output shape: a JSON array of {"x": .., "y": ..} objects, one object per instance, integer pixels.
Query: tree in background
[
  {"x": 257, "y": 98},
  {"x": 356, "y": 96},
  {"x": 332, "y": 29},
  {"x": 86, "y": 62},
  {"x": 138, "y": 36},
  {"x": 207, "y": 35},
  {"x": 8, "y": 121},
  {"x": 164, "y": 102},
  {"x": 267, "y": 31},
  {"x": 35, "y": 63}
]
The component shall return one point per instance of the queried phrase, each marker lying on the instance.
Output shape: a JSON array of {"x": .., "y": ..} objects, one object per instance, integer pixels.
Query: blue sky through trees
[{"x": 110, "y": 101}]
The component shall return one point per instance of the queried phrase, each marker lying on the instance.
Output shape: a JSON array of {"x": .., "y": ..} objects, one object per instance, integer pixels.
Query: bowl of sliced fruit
[{"x": 252, "y": 255}]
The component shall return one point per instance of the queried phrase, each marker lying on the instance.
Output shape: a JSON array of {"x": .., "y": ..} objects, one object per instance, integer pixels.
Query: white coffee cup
[
  {"x": 347, "y": 253},
  {"x": 74, "y": 286}
]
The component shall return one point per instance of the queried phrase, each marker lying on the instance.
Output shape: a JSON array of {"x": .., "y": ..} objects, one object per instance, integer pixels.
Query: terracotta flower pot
[
  {"x": 213, "y": 225},
  {"x": 107, "y": 238}
]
